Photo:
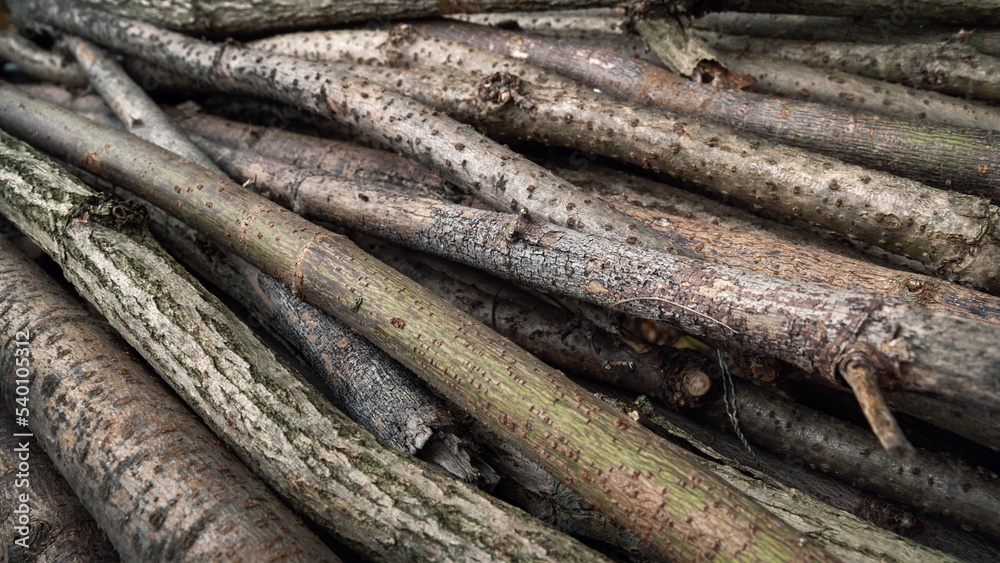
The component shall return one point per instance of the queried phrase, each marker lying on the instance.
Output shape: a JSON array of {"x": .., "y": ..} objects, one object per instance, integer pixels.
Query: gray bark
[
  {"x": 42, "y": 64},
  {"x": 974, "y": 12}
]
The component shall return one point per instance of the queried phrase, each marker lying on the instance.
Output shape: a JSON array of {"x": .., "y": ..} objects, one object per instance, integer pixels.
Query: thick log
[
  {"x": 624, "y": 470},
  {"x": 974, "y": 12},
  {"x": 155, "y": 479},
  {"x": 282, "y": 427},
  {"x": 57, "y": 526}
]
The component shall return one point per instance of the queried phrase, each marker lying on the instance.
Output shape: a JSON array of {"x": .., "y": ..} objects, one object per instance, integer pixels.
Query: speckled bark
[
  {"x": 343, "y": 159},
  {"x": 901, "y": 25},
  {"x": 555, "y": 336},
  {"x": 61, "y": 528},
  {"x": 934, "y": 483},
  {"x": 42, "y": 64},
  {"x": 938, "y": 155},
  {"x": 950, "y": 66},
  {"x": 952, "y": 235},
  {"x": 976, "y": 12},
  {"x": 292, "y": 437},
  {"x": 135, "y": 110},
  {"x": 813, "y": 327},
  {"x": 793, "y": 80},
  {"x": 654, "y": 490},
  {"x": 491, "y": 172},
  {"x": 155, "y": 479},
  {"x": 228, "y": 16}
]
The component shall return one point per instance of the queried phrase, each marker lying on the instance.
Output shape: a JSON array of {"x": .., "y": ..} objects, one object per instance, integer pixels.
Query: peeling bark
[
  {"x": 61, "y": 528},
  {"x": 815, "y": 328},
  {"x": 282, "y": 428},
  {"x": 949, "y": 67},
  {"x": 623, "y": 469},
  {"x": 932, "y": 483},
  {"x": 155, "y": 479},
  {"x": 941, "y": 156}
]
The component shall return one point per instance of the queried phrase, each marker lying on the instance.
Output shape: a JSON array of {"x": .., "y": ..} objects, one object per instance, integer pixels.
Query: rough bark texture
[
  {"x": 815, "y": 328},
  {"x": 981, "y": 425},
  {"x": 949, "y": 233},
  {"x": 937, "y": 155},
  {"x": 901, "y": 25},
  {"x": 155, "y": 479},
  {"x": 42, "y": 64},
  {"x": 61, "y": 528},
  {"x": 788, "y": 79},
  {"x": 130, "y": 103},
  {"x": 556, "y": 336},
  {"x": 227, "y": 16},
  {"x": 932, "y": 483},
  {"x": 290, "y": 435},
  {"x": 479, "y": 165},
  {"x": 810, "y": 478},
  {"x": 976, "y": 12},
  {"x": 949, "y": 66},
  {"x": 641, "y": 482}
]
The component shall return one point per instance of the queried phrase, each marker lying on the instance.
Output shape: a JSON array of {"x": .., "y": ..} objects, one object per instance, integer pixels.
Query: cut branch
[
  {"x": 947, "y": 157},
  {"x": 281, "y": 426},
  {"x": 623, "y": 469}
]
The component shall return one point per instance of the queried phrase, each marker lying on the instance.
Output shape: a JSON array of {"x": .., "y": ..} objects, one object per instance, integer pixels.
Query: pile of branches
[{"x": 730, "y": 288}]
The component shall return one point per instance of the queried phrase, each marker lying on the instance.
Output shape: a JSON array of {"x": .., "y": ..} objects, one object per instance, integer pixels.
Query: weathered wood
[
  {"x": 950, "y": 66},
  {"x": 42, "y": 64},
  {"x": 974, "y": 12},
  {"x": 58, "y": 527},
  {"x": 959, "y": 159},
  {"x": 155, "y": 479},
  {"x": 292, "y": 437},
  {"x": 624, "y": 470},
  {"x": 135, "y": 110},
  {"x": 934, "y": 483},
  {"x": 227, "y": 16},
  {"x": 875, "y": 208},
  {"x": 815, "y": 328}
]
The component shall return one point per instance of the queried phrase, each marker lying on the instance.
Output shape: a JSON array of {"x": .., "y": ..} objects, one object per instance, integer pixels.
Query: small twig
[
  {"x": 689, "y": 309},
  {"x": 863, "y": 380}
]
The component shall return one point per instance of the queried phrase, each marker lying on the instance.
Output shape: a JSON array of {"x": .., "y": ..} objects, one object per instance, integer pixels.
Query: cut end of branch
[{"x": 862, "y": 379}]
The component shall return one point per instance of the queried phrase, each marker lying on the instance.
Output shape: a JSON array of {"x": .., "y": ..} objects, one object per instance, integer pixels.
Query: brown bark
[
  {"x": 61, "y": 529},
  {"x": 155, "y": 479},
  {"x": 623, "y": 469},
  {"x": 824, "y": 329},
  {"x": 941, "y": 156},
  {"x": 933, "y": 483},
  {"x": 42, "y": 64},
  {"x": 949, "y": 66}
]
